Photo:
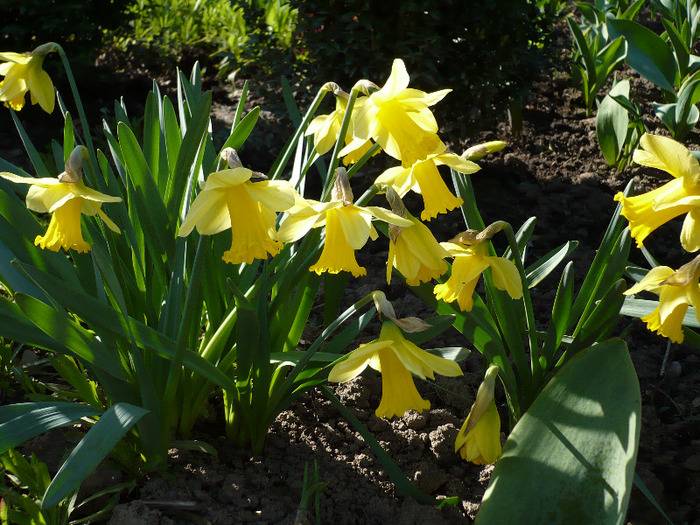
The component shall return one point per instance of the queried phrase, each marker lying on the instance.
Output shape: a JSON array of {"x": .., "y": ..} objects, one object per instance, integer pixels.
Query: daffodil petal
[
  {"x": 41, "y": 88},
  {"x": 277, "y": 195},
  {"x": 355, "y": 223},
  {"x": 690, "y": 234},
  {"x": 666, "y": 154},
  {"x": 388, "y": 216},
  {"x": 506, "y": 276},
  {"x": 652, "y": 280},
  {"x": 356, "y": 362},
  {"x": 208, "y": 212}
]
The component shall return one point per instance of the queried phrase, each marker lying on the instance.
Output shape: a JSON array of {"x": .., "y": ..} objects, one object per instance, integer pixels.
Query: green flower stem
[
  {"x": 283, "y": 159},
  {"x": 81, "y": 111},
  {"x": 339, "y": 144},
  {"x": 527, "y": 301},
  {"x": 356, "y": 167},
  {"x": 367, "y": 195}
]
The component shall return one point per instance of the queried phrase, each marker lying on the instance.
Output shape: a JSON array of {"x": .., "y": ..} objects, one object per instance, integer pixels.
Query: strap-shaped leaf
[
  {"x": 579, "y": 441},
  {"x": 23, "y": 421},
  {"x": 612, "y": 121},
  {"x": 547, "y": 263},
  {"x": 92, "y": 449}
]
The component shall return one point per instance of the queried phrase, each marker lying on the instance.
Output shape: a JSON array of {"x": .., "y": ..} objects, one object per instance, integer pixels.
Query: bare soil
[{"x": 553, "y": 171}]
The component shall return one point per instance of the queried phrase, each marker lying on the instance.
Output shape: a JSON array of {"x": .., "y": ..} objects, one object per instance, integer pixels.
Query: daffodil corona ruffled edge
[
  {"x": 231, "y": 199},
  {"x": 66, "y": 198},
  {"x": 396, "y": 359}
]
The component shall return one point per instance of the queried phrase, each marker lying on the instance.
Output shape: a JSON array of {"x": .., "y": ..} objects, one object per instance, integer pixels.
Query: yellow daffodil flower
[
  {"x": 399, "y": 118},
  {"x": 23, "y": 72},
  {"x": 650, "y": 210},
  {"x": 396, "y": 359},
  {"x": 415, "y": 253},
  {"x": 348, "y": 227},
  {"x": 471, "y": 258},
  {"x": 479, "y": 439},
  {"x": 677, "y": 290},
  {"x": 423, "y": 177},
  {"x": 237, "y": 198},
  {"x": 65, "y": 197}
]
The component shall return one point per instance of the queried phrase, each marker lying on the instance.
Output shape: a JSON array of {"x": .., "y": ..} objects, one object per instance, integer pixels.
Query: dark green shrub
[
  {"x": 77, "y": 25},
  {"x": 488, "y": 52}
]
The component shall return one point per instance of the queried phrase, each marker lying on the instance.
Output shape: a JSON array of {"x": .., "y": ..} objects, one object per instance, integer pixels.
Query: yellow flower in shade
[
  {"x": 399, "y": 118},
  {"x": 396, "y": 359},
  {"x": 479, "y": 439},
  {"x": 348, "y": 227},
  {"x": 66, "y": 198},
  {"x": 677, "y": 290},
  {"x": 23, "y": 72},
  {"x": 415, "y": 253},
  {"x": 471, "y": 258},
  {"x": 237, "y": 198},
  {"x": 423, "y": 177},
  {"x": 326, "y": 129},
  {"x": 650, "y": 210}
]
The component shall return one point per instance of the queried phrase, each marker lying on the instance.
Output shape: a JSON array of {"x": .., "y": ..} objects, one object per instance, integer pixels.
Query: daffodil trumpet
[
  {"x": 677, "y": 290},
  {"x": 245, "y": 202},
  {"x": 348, "y": 227},
  {"x": 397, "y": 359},
  {"x": 65, "y": 197}
]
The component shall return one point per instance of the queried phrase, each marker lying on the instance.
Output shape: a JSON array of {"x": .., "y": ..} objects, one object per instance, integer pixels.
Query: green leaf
[
  {"x": 241, "y": 132},
  {"x": 92, "y": 449},
  {"x": 611, "y": 122},
  {"x": 561, "y": 310},
  {"x": 579, "y": 441},
  {"x": 647, "y": 53},
  {"x": 547, "y": 263},
  {"x": 23, "y": 421}
]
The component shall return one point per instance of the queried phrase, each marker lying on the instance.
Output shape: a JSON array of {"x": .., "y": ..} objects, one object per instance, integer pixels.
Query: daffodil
[
  {"x": 399, "y": 118},
  {"x": 23, "y": 72},
  {"x": 415, "y": 253},
  {"x": 650, "y": 210},
  {"x": 479, "y": 439},
  {"x": 677, "y": 290},
  {"x": 237, "y": 198},
  {"x": 423, "y": 177},
  {"x": 66, "y": 198},
  {"x": 396, "y": 359},
  {"x": 471, "y": 257},
  {"x": 348, "y": 227}
]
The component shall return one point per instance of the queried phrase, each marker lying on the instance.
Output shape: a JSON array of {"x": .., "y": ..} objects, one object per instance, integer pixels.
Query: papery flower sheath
[
  {"x": 245, "y": 202},
  {"x": 399, "y": 118},
  {"x": 396, "y": 359},
  {"x": 648, "y": 211},
  {"x": 66, "y": 198},
  {"x": 423, "y": 177},
  {"x": 348, "y": 227},
  {"x": 677, "y": 290},
  {"x": 23, "y": 73},
  {"x": 479, "y": 439},
  {"x": 471, "y": 257}
]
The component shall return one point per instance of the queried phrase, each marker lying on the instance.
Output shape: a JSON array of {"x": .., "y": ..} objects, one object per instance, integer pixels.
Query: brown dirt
[{"x": 554, "y": 171}]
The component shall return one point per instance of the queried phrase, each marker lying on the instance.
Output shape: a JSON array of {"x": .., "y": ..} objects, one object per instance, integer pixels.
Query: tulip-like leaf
[
  {"x": 647, "y": 53},
  {"x": 23, "y": 421},
  {"x": 92, "y": 449},
  {"x": 611, "y": 123},
  {"x": 578, "y": 440}
]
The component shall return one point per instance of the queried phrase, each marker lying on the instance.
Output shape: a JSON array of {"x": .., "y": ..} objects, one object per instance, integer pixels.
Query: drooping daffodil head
[
  {"x": 348, "y": 227},
  {"x": 649, "y": 211},
  {"x": 397, "y": 359},
  {"x": 470, "y": 250},
  {"x": 244, "y": 201},
  {"x": 400, "y": 120},
  {"x": 479, "y": 439},
  {"x": 424, "y": 178},
  {"x": 413, "y": 251},
  {"x": 677, "y": 290},
  {"x": 66, "y": 197},
  {"x": 23, "y": 73}
]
